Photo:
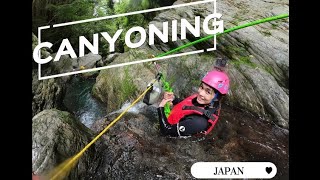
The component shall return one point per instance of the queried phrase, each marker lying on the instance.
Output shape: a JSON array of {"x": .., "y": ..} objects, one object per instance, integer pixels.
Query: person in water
[{"x": 198, "y": 113}]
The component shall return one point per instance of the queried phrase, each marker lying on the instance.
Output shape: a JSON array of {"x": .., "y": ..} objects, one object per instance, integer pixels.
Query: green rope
[
  {"x": 167, "y": 88},
  {"x": 167, "y": 84},
  {"x": 224, "y": 32}
]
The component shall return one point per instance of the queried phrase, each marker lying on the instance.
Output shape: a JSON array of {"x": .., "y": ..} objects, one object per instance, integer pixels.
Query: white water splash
[{"x": 136, "y": 109}]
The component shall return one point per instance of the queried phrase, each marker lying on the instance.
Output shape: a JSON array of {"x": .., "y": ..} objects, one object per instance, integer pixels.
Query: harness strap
[{"x": 203, "y": 111}]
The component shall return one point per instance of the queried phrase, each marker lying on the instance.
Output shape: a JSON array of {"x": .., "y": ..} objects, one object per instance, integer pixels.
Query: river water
[{"x": 79, "y": 100}]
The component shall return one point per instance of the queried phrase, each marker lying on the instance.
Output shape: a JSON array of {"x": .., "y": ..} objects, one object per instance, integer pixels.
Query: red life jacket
[{"x": 185, "y": 108}]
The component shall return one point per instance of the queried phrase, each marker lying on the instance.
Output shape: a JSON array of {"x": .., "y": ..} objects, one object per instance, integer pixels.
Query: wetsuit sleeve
[
  {"x": 165, "y": 127},
  {"x": 176, "y": 101}
]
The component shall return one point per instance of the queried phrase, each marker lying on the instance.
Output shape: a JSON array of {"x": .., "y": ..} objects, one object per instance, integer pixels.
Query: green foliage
[
  {"x": 127, "y": 22},
  {"x": 269, "y": 69},
  {"x": 75, "y": 10},
  {"x": 236, "y": 50},
  {"x": 266, "y": 33},
  {"x": 274, "y": 25},
  {"x": 145, "y": 4},
  {"x": 244, "y": 60},
  {"x": 127, "y": 88}
]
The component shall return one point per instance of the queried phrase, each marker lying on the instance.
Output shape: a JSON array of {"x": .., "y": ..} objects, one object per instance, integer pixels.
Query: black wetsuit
[{"x": 191, "y": 124}]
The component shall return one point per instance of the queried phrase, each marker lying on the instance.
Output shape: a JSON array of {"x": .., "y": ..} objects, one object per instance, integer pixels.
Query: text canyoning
[{"x": 210, "y": 26}]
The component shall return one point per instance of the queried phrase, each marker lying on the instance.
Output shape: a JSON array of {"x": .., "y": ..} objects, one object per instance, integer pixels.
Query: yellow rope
[{"x": 63, "y": 169}]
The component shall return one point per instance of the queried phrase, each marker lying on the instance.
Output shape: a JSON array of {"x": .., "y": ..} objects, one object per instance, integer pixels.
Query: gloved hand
[
  {"x": 164, "y": 101},
  {"x": 168, "y": 95}
]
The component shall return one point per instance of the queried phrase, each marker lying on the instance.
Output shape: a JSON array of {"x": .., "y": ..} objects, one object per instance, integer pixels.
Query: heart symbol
[{"x": 268, "y": 169}]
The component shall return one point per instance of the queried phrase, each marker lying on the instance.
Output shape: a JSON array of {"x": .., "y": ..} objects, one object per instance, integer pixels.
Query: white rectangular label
[{"x": 227, "y": 170}]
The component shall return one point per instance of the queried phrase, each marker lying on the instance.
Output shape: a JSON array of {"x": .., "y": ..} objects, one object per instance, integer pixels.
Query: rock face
[
  {"x": 115, "y": 86},
  {"x": 137, "y": 150},
  {"x": 49, "y": 93},
  {"x": 258, "y": 58},
  {"x": 46, "y": 94},
  {"x": 57, "y": 136}
]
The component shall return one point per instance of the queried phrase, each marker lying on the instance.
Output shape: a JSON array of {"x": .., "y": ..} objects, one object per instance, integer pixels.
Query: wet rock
[{"x": 57, "y": 136}]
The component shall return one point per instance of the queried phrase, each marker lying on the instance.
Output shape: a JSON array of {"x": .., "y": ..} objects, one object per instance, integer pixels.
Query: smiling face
[{"x": 205, "y": 94}]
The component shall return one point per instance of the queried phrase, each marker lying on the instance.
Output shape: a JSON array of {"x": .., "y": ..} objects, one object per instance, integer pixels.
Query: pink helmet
[{"x": 218, "y": 80}]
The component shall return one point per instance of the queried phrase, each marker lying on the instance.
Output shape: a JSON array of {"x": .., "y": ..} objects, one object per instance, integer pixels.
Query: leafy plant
[{"x": 127, "y": 87}]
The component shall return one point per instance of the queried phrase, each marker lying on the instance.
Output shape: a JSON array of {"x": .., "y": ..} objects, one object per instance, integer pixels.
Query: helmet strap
[{"x": 214, "y": 98}]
